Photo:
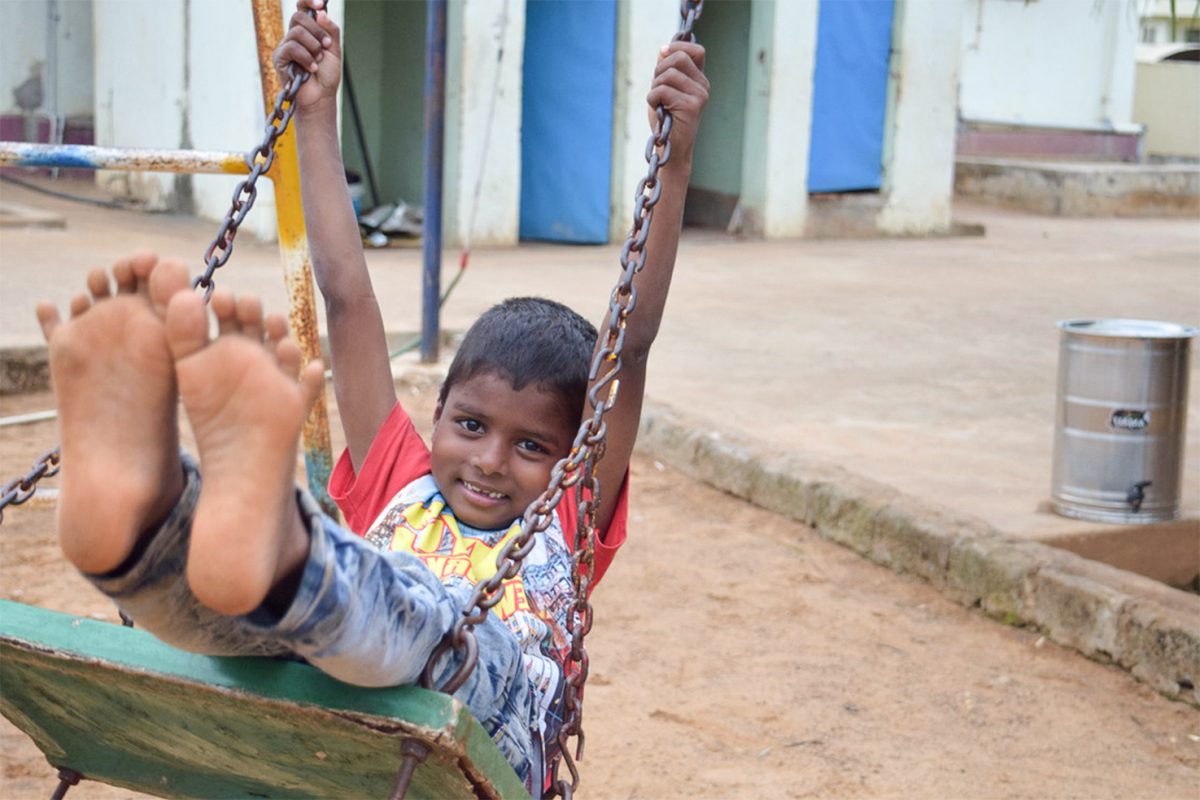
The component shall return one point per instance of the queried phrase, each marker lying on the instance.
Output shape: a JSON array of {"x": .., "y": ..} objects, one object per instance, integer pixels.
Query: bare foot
[
  {"x": 114, "y": 383},
  {"x": 246, "y": 407}
]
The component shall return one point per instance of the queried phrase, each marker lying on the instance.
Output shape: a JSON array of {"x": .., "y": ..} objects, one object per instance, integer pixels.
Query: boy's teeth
[{"x": 481, "y": 490}]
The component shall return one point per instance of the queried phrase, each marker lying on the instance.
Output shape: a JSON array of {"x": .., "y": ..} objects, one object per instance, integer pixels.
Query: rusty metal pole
[{"x": 293, "y": 251}]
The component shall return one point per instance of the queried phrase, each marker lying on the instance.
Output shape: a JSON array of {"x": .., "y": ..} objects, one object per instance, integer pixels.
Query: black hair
[{"x": 529, "y": 340}]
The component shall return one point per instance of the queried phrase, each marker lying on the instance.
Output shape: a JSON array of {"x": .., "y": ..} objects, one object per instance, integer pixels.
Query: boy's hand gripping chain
[
  {"x": 577, "y": 470},
  {"x": 260, "y": 161}
]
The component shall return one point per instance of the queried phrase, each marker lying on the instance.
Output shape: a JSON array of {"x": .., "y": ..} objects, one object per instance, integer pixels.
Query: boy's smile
[{"x": 494, "y": 447}]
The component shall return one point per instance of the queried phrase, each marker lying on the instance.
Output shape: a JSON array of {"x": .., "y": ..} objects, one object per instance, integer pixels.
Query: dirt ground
[{"x": 738, "y": 655}]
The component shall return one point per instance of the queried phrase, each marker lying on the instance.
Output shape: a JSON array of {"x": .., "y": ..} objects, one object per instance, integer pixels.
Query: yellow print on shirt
[{"x": 438, "y": 541}]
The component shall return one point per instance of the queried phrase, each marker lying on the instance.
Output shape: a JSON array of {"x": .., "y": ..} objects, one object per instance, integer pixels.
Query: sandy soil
[{"x": 738, "y": 655}]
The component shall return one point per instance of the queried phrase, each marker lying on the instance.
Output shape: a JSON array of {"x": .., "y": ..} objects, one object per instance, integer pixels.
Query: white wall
[
  {"x": 140, "y": 88},
  {"x": 483, "y": 122},
  {"x": 66, "y": 60},
  {"x": 1060, "y": 63},
  {"x": 1167, "y": 102},
  {"x": 920, "y": 129},
  {"x": 788, "y": 95},
  {"x": 182, "y": 74}
]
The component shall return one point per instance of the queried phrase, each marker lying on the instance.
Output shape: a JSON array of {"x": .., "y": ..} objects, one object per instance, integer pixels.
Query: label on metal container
[{"x": 1125, "y": 419}]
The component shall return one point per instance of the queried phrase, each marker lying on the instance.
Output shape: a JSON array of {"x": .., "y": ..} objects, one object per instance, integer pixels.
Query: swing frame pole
[
  {"x": 435, "y": 124},
  {"x": 295, "y": 256}
]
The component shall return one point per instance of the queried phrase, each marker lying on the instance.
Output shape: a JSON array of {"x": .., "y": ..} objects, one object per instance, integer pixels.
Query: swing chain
[
  {"x": 17, "y": 491},
  {"x": 578, "y": 471},
  {"x": 259, "y": 160},
  {"x": 621, "y": 305}
]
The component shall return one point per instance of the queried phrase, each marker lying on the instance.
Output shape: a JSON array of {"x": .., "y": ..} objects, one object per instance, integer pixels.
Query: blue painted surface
[
  {"x": 566, "y": 120},
  {"x": 850, "y": 82},
  {"x": 66, "y": 155}
]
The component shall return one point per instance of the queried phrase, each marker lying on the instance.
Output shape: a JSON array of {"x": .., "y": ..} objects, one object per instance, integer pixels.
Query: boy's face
[{"x": 494, "y": 447}]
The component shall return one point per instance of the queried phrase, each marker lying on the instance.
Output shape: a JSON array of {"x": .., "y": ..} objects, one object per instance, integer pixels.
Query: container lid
[{"x": 1128, "y": 328}]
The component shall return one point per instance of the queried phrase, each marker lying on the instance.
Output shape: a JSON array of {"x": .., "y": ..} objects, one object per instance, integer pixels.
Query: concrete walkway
[{"x": 920, "y": 373}]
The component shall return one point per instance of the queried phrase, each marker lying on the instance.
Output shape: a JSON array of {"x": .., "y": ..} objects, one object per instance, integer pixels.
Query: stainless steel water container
[{"x": 1122, "y": 414}]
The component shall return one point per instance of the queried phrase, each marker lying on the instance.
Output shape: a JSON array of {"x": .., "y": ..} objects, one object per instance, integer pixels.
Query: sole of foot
[
  {"x": 246, "y": 398},
  {"x": 114, "y": 386}
]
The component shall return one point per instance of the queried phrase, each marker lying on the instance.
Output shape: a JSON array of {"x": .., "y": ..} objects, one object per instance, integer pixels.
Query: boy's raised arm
[
  {"x": 362, "y": 375},
  {"x": 680, "y": 87}
]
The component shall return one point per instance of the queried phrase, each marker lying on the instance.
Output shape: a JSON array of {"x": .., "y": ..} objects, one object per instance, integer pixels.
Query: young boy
[{"x": 245, "y": 564}]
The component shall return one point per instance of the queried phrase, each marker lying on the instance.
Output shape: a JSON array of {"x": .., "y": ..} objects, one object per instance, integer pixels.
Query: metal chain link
[
  {"x": 18, "y": 490},
  {"x": 259, "y": 160},
  {"x": 575, "y": 471}
]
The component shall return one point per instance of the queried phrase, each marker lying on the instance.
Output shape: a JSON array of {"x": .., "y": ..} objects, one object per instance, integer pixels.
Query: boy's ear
[{"x": 437, "y": 414}]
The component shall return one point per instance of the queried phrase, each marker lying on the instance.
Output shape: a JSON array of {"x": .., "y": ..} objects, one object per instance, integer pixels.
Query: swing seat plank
[{"x": 116, "y": 705}]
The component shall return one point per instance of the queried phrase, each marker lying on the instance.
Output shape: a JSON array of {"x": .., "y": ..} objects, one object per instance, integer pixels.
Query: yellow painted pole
[{"x": 293, "y": 252}]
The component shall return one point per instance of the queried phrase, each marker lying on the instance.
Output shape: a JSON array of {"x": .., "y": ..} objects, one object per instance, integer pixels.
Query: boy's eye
[
  {"x": 472, "y": 425},
  {"x": 531, "y": 446}
]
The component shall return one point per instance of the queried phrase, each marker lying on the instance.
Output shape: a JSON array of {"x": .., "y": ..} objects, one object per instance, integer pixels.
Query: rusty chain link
[
  {"x": 259, "y": 160},
  {"x": 576, "y": 470},
  {"x": 18, "y": 490}
]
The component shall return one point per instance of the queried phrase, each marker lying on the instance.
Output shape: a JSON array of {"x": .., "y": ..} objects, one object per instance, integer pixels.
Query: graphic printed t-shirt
[{"x": 395, "y": 503}]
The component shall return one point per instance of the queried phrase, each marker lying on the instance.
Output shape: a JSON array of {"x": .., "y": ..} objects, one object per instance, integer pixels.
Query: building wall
[
  {"x": 724, "y": 29},
  {"x": 918, "y": 161},
  {"x": 182, "y": 74},
  {"x": 1055, "y": 63},
  {"x": 642, "y": 28},
  {"x": 386, "y": 53},
  {"x": 482, "y": 171},
  {"x": 65, "y": 60},
  {"x": 138, "y": 106},
  {"x": 778, "y": 123},
  {"x": 1167, "y": 102}
]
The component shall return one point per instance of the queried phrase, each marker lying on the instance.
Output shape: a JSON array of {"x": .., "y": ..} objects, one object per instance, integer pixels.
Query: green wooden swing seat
[{"x": 118, "y": 706}]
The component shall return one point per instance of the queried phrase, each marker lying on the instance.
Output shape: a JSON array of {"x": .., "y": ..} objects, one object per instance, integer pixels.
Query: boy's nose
[{"x": 489, "y": 458}]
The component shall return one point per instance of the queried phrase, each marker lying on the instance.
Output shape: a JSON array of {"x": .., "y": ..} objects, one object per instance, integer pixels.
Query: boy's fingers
[
  {"x": 683, "y": 63},
  {"x": 308, "y": 39},
  {"x": 331, "y": 35},
  {"x": 291, "y": 52},
  {"x": 681, "y": 80},
  {"x": 301, "y": 23},
  {"x": 693, "y": 51}
]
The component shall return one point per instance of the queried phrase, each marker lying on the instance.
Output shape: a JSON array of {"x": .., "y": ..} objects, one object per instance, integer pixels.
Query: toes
[
  {"x": 97, "y": 283},
  {"x": 165, "y": 279},
  {"x": 187, "y": 324},
  {"x": 250, "y": 317},
  {"x": 224, "y": 308},
  {"x": 312, "y": 381},
  {"x": 288, "y": 356},
  {"x": 80, "y": 303},
  {"x": 142, "y": 263},
  {"x": 47, "y": 316},
  {"x": 127, "y": 282},
  {"x": 276, "y": 328}
]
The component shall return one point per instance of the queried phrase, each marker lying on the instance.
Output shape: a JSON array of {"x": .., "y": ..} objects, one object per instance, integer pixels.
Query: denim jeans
[{"x": 362, "y": 615}]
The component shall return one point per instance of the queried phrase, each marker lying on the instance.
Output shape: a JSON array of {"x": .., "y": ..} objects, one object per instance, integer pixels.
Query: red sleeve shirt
[{"x": 398, "y": 456}]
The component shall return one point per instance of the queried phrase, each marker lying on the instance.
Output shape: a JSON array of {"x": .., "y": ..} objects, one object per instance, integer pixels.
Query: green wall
[
  {"x": 385, "y": 52},
  {"x": 724, "y": 30}
]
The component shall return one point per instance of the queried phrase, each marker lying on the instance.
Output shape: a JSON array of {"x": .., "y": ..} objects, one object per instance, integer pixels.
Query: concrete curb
[{"x": 1110, "y": 615}]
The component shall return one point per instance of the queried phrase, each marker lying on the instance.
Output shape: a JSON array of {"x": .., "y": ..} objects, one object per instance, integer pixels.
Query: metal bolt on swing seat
[
  {"x": 67, "y": 778},
  {"x": 415, "y": 752}
]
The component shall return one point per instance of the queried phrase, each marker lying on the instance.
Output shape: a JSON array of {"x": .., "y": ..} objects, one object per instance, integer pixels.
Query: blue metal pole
[{"x": 435, "y": 123}]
